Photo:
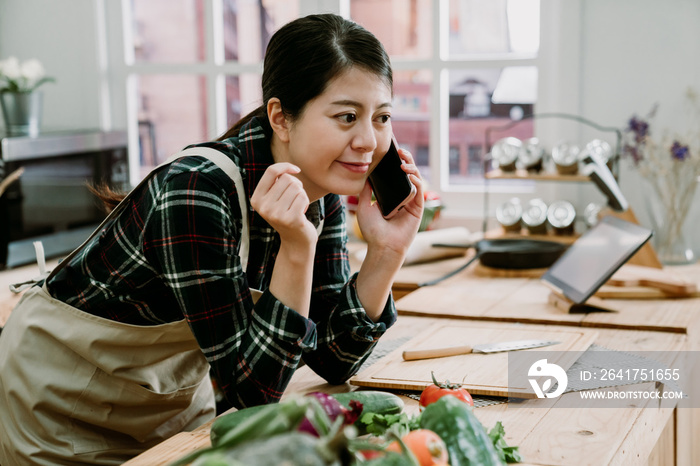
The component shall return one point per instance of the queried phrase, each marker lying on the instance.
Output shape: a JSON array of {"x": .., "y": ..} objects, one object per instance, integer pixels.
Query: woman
[{"x": 112, "y": 354}]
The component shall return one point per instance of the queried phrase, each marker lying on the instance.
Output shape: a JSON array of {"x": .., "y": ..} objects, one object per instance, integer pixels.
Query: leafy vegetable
[
  {"x": 498, "y": 437},
  {"x": 380, "y": 424}
]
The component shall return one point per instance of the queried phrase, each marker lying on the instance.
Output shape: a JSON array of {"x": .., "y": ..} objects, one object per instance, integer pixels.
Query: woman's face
[{"x": 341, "y": 134}]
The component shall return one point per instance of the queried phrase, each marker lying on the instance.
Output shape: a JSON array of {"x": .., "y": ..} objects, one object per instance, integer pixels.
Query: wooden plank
[
  {"x": 675, "y": 315},
  {"x": 526, "y": 300},
  {"x": 522, "y": 174},
  {"x": 501, "y": 300},
  {"x": 564, "y": 433},
  {"x": 664, "y": 452},
  {"x": 172, "y": 449},
  {"x": 480, "y": 374},
  {"x": 530, "y": 303}
]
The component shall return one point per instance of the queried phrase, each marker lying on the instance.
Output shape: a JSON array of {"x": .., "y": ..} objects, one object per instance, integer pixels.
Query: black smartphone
[{"x": 391, "y": 186}]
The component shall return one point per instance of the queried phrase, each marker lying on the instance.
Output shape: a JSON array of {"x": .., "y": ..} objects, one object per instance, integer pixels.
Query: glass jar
[
  {"x": 535, "y": 216},
  {"x": 509, "y": 215},
  {"x": 561, "y": 216}
]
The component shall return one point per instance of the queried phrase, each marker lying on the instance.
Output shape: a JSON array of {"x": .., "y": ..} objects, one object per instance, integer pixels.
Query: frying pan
[{"x": 508, "y": 253}]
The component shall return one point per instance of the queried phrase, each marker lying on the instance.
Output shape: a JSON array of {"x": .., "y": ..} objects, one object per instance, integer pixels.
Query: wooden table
[
  {"x": 546, "y": 434},
  {"x": 474, "y": 295}
]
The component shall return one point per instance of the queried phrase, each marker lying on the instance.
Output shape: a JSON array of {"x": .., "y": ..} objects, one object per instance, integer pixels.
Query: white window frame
[{"x": 557, "y": 63}]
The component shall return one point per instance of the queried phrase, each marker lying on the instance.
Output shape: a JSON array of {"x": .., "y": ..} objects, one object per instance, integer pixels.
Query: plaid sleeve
[
  {"x": 346, "y": 335},
  {"x": 192, "y": 240}
]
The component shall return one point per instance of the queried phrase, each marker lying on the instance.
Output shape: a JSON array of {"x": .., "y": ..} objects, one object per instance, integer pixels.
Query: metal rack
[{"x": 537, "y": 177}]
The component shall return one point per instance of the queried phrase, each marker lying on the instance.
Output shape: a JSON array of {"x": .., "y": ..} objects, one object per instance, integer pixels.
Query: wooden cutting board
[{"x": 480, "y": 374}]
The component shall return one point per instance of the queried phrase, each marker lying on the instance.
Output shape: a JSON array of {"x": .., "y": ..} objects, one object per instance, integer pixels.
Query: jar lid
[
  {"x": 535, "y": 212},
  {"x": 561, "y": 214},
  {"x": 532, "y": 152},
  {"x": 565, "y": 154},
  {"x": 506, "y": 151},
  {"x": 510, "y": 212}
]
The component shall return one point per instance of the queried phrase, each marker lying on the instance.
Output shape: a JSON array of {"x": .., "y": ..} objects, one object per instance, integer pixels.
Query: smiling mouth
[{"x": 355, "y": 167}]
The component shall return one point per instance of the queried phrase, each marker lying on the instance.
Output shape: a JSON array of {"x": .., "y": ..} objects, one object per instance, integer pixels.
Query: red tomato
[{"x": 437, "y": 390}]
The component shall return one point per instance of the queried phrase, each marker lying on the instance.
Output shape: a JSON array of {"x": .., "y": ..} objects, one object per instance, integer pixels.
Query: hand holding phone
[{"x": 390, "y": 184}]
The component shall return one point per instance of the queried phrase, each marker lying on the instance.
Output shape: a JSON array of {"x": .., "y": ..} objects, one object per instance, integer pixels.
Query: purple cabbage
[{"x": 333, "y": 409}]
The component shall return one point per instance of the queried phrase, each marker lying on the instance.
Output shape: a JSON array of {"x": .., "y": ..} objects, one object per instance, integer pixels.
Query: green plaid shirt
[{"x": 173, "y": 254}]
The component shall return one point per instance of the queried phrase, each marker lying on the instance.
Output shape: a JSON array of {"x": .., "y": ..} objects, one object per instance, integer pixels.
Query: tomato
[
  {"x": 437, "y": 390},
  {"x": 427, "y": 446}
]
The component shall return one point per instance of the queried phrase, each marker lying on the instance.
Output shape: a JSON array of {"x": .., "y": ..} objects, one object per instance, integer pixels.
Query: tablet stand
[{"x": 592, "y": 304}]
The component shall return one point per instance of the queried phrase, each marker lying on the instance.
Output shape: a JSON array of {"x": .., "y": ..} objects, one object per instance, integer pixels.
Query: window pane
[
  {"x": 168, "y": 31},
  {"x": 243, "y": 95},
  {"x": 494, "y": 27},
  {"x": 403, "y": 26},
  {"x": 172, "y": 115},
  {"x": 251, "y": 24},
  {"x": 487, "y": 98},
  {"x": 410, "y": 116}
]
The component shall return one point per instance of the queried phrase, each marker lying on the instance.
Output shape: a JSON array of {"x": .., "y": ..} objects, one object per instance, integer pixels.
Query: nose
[{"x": 365, "y": 138}]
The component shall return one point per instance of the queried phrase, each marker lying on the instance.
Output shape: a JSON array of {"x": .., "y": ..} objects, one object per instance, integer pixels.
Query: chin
[{"x": 346, "y": 187}]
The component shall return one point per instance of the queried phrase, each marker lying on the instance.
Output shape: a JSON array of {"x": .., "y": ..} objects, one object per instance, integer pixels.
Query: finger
[
  {"x": 299, "y": 204},
  {"x": 418, "y": 182},
  {"x": 273, "y": 172},
  {"x": 411, "y": 169},
  {"x": 406, "y": 156},
  {"x": 293, "y": 192},
  {"x": 283, "y": 183}
]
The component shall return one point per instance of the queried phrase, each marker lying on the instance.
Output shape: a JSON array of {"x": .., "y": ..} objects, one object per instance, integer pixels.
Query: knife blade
[{"x": 412, "y": 355}]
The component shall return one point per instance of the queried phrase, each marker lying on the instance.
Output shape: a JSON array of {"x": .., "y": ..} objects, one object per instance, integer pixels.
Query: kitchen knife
[{"x": 412, "y": 355}]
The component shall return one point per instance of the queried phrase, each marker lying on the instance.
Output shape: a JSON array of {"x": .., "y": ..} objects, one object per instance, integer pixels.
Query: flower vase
[
  {"x": 21, "y": 112},
  {"x": 668, "y": 213}
]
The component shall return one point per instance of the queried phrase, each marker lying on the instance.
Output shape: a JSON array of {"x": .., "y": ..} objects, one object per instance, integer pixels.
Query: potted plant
[{"x": 19, "y": 98}]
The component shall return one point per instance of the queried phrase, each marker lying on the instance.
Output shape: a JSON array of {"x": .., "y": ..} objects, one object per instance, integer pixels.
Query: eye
[
  {"x": 384, "y": 118},
  {"x": 347, "y": 117}
]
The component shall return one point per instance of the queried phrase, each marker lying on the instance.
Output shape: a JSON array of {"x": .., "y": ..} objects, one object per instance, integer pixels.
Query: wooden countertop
[{"x": 547, "y": 434}]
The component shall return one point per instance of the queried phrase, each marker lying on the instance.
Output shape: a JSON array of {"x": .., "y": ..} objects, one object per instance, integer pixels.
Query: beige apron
[{"x": 80, "y": 389}]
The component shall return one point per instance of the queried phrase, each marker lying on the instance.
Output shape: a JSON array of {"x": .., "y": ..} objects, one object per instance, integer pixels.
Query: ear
[{"x": 277, "y": 119}]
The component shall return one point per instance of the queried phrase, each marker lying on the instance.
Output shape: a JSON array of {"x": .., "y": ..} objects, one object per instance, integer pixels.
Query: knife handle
[{"x": 412, "y": 355}]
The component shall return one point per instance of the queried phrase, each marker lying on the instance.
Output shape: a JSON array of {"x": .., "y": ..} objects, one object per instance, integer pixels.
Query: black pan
[{"x": 508, "y": 253}]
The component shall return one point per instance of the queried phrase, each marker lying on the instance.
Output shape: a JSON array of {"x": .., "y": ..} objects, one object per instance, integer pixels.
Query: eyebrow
[{"x": 353, "y": 103}]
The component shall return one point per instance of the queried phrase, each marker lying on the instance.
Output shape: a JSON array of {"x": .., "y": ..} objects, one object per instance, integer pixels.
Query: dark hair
[{"x": 304, "y": 55}]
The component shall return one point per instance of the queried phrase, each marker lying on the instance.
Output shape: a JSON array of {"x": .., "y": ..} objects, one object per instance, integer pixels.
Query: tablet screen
[{"x": 595, "y": 257}]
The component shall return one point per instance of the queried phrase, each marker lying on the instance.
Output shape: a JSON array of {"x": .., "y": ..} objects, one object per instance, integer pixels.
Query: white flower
[
  {"x": 11, "y": 69},
  {"x": 21, "y": 77},
  {"x": 32, "y": 70}
]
